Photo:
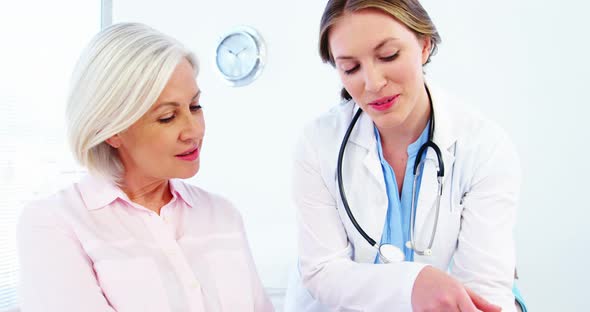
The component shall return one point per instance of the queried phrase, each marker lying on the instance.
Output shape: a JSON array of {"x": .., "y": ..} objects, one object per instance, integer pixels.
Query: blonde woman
[
  {"x": 132, "y": 236},
  {"x": 406, "y": 198}
]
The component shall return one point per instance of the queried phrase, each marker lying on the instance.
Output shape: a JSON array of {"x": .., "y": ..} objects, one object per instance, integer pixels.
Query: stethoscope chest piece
[{"x": 389, "y": 254}]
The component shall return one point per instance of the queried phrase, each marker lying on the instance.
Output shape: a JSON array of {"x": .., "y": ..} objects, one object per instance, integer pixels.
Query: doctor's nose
[{"x": 374, "y": 79}]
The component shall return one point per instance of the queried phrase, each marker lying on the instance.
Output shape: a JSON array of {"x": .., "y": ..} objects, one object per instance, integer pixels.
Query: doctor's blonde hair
[
  {"x": 408, "y": 12},
  {"x": 117, "y": 79}
]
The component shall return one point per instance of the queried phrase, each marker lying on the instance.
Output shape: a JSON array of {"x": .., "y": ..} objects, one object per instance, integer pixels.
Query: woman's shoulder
[
  {"x": 477, "y": 137},
  {"x": 73, "y": 203},
  {"x": 50, "y": 210},
  {"x": 337, "y": 117},
  {"x": 465, "y": 120},
  {"x": 323, "y": 131}
]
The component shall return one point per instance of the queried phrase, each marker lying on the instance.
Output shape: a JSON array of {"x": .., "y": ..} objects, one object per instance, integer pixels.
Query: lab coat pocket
[
  {"x": 132, "y": 285},
  {"x": 232, "y": 280},
  {"x": 458, "y": 203},
  {"x": 452, "y": 220}
]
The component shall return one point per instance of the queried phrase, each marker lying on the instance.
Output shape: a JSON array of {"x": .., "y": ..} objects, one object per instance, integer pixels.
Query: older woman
[{"x": 131, "y": 236}]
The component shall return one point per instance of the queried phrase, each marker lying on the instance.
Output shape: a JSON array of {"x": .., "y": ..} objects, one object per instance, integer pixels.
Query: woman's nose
[
  {"x": 193, "y": 128},
  {"x": 374, "y": 79}
]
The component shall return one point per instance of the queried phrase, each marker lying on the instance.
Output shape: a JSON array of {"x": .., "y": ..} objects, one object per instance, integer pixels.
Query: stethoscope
[{"x": 387, "y": 252}]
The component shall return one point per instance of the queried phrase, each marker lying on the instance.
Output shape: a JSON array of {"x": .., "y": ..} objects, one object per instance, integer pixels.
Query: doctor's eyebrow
[
  {"x": 384, "y": 42},
  {"x": 377, "y": 47},
  {"x": 176, "y": 104}
]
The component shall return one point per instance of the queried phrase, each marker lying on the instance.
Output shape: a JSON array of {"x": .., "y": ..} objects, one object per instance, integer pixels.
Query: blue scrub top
[{"x": 396, "y": 230}]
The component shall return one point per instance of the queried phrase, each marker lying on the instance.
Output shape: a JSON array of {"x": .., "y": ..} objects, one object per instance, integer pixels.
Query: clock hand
[
  {"x": 232, "y": 52},
  {"x": 242, "y": 50}
]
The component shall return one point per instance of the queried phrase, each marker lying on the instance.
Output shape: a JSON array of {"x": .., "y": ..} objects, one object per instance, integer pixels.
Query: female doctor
[{"x": 449, "y": 249}]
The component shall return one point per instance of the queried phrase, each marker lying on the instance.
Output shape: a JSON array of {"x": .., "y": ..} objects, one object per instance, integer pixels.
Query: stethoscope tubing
[
  {"x": 341, "y": 183},
  {"x": 417, "y": 163}
]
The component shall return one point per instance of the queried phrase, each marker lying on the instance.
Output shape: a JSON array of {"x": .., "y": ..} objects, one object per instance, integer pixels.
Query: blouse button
[
  {"x": 195, "y": 285},
  {"x": 170, "y": 252}
]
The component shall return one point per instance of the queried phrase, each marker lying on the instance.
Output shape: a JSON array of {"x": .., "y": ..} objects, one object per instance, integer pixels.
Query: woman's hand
[{"x": 435, "y": 290}]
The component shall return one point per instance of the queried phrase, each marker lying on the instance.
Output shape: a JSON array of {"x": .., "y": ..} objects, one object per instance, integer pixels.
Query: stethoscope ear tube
[
  {"x": 441, "y": 164},
  {"x": 341, "y": 184}
]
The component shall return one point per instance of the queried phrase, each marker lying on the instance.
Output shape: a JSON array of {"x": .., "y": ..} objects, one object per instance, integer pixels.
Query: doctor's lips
[
  {"x": 189, "y": 155},
  {"x": 384, "y": 102}
]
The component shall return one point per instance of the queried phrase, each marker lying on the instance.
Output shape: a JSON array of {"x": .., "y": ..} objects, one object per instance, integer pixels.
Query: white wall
[
  {"x": 521, "y": 62},
  {"x": 524, "y": 63},
  {"x": 38, "y": 52}
]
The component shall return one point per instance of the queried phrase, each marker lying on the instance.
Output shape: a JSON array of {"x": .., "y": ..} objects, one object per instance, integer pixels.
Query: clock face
[{"x": 239, "y": 56}]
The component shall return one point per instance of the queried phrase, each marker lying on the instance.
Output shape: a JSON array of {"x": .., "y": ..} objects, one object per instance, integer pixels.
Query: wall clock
[{"x": 240, "y": 56}]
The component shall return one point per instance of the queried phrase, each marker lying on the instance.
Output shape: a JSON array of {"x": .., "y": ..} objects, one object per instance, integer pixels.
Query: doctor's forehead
[{"x": 365, "y": 30}]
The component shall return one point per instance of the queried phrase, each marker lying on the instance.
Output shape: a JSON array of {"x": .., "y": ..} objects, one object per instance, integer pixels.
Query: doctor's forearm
[{"x": 343, "y": 283}]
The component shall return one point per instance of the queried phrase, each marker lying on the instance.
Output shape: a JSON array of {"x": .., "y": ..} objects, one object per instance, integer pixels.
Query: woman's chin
[
  {"x": 178, "y": 172},
  {"x": 187, "y": 173}
]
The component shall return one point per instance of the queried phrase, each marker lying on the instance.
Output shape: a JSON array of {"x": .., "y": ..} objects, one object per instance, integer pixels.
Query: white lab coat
[{"x": 474, "y": 240}]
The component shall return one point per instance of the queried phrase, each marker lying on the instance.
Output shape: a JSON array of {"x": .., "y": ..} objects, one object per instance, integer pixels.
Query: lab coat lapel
[
  {"x": 369, "y": 202},
  {"x": 366, "y": 138}
]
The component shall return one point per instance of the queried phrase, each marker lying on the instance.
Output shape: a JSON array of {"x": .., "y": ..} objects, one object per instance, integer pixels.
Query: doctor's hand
[{"x": 435, "y": 290}]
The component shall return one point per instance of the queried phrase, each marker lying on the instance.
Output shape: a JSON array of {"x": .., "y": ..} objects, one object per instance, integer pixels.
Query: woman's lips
[
  {"x": 190, "y": 155},
  {"x": 384, "y": 103}
]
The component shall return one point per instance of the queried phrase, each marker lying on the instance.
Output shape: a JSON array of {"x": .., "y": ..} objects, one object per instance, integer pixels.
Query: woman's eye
[
  {"x": 351, "y": 70},
  {"x": 166, "y": 119},
  {"x": 196, "y": 107},
  {"x": 389, "y": 58}
]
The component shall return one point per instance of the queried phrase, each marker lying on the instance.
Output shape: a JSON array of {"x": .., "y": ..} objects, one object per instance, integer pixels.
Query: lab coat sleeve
[
  {"x": 325, "y": 253},
  {"x": 485, "y": 257},
  {"x": 55, "y": 273}
]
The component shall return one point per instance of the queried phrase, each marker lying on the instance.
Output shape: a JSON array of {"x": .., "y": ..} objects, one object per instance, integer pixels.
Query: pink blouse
[{"x": 89, "y": 248}]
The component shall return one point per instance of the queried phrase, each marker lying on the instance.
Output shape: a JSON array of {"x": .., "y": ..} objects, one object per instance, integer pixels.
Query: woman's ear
[
  {"x": 114, "y": 141},
  {"x": 426, "y": 48}
]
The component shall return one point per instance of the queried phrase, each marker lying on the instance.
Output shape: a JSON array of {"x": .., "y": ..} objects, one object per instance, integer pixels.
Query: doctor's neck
[{"x": 402, "y": 135}]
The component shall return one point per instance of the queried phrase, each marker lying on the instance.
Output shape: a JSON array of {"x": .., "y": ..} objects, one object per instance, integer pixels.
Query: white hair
[{"x": 117, "y": 79}]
